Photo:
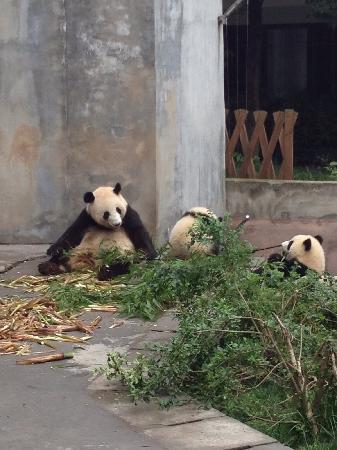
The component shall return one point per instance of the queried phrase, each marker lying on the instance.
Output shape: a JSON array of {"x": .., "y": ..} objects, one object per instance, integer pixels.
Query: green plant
[
  {"x": 332, "y": 169},
  {"x": 323, "y": 8},
  {"x": 324, "y": 446},
  {"x": 164, "y": 282},
  {"x": 112, "y": 255},
  {"x": 74, "y": 297},
  {"x": 260, "y": 348},
  {"x": 327, "y": 173}
]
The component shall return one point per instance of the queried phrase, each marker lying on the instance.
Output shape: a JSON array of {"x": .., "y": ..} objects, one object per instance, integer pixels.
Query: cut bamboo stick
[{"x": 45, "y": 358}]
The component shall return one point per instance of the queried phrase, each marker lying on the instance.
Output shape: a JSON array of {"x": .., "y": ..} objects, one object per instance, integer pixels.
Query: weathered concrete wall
[
  {"x": 32, "y": 162},
  {"x": 269, "y": 199},
  {"x": 77, "y": 104},
  {"x": 279, "y": 210},
  {"x": 190, "y": 109},
  {"x": 111, "y": 100},
  {"x": 93, "y": 92}
]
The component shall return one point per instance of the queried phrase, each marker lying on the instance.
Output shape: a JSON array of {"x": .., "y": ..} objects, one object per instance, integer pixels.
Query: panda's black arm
[
  {"x": 72, "y": 236},
  {"x": 301, "y": 269},
  {"x": 288, "y": 265},
  {"x": 138, "y": 234}
]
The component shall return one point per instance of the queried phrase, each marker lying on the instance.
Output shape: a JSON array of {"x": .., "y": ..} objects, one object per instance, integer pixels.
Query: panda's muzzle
[{"x": 114, "y": 220}]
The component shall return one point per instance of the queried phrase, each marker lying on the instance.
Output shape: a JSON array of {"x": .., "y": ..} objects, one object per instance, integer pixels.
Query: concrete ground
[{"x": 63, "y": 406}]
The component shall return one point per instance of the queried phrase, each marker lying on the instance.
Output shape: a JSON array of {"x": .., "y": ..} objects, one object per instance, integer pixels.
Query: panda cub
[
  {"x": 107, "y": 221},
  {"x": 305, "y": 250},
  {"x": 180, "y": 239}
]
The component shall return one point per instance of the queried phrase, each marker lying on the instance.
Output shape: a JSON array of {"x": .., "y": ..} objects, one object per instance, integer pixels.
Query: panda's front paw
[
  {"x": 107, "y": 272},
  {"x": 55, "y": 251}
]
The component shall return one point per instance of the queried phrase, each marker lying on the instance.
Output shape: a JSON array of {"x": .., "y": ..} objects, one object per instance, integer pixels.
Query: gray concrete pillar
[{"x": 189, "y": 108}]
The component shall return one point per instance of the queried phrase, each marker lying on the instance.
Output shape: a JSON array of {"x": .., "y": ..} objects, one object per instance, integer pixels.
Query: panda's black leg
[{"x": 107, "y": 272}]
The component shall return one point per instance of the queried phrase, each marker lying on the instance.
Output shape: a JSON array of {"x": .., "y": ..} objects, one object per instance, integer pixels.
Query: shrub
[{"x": 259, "y": 348}]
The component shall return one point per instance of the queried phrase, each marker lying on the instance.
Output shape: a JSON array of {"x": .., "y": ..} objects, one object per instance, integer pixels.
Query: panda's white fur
[
  {"x": 110, "y": 235},
  {"x": 297, "y": 248},
  {"x": 180, "y": 239},
  {"x": 94, "y": 240}
]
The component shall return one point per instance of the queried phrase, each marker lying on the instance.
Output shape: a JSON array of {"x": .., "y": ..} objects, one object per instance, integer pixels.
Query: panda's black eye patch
[
  {"x": 290, "y": 244},
  {"x": 119, "y": 210},
  {"x": 307, "y": 244}
]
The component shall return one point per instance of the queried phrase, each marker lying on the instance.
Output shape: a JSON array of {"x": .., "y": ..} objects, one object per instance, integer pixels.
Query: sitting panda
[
  {"x": 107, "y": 221},
  {"x": 302, "y": 251},
  {"x": 180, "y": 240}
]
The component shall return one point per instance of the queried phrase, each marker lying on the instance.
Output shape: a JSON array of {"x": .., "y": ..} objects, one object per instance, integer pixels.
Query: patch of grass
[{"x": 322, "y": 446}]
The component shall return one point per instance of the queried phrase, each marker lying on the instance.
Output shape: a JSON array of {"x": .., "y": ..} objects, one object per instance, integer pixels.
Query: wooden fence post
[
  {"x": 287, "y": 145},
  {"x": 283, "y": 134}
]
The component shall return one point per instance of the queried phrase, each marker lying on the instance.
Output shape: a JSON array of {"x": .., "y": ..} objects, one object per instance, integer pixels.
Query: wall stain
[{"x": 25, "y": 146}]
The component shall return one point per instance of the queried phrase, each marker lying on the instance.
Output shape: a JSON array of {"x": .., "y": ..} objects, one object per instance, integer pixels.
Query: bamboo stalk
[{"x": 45, "y": 358}]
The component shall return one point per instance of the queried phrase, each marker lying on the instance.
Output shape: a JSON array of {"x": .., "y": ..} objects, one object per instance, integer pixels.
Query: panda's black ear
[
  {"x": 117, "y": 188},
  {"x": 319, "y": 238},
  {"x": 307, "y": 244},
  {"x": 88, "y": 197}
]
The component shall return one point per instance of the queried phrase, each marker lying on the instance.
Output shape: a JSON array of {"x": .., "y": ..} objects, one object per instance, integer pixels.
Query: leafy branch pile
[{"x": 260, "y": 348}]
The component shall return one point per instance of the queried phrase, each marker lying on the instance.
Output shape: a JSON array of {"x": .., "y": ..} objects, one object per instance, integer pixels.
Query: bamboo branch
[
  {"x": 333, "y": 363},
  {"x": 298, "y": 375},
  {"x": 45, "y": 358}
]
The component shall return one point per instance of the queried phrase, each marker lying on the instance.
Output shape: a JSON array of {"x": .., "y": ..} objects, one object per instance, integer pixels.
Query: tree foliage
[{"x": 323, "y": 8}]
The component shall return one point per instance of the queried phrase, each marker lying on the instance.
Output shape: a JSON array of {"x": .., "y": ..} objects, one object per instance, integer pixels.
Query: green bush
[
  {"x": 327, "y": 173},
  {"x": 259, "y": 348},
  {"x": 167, "y": 282}
]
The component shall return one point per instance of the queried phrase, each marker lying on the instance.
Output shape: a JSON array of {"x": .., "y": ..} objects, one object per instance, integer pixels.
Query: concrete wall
[
  {"x": 93, "y": 92},
  {"x": 286, "y": 200},
  {"x": 190, "y": 109},
  {"x": 111, "y": 100},
  {"x": 32, "y": 119},
  {"x": 281, "y": 209},
  {"x": 77, "y": 104}
]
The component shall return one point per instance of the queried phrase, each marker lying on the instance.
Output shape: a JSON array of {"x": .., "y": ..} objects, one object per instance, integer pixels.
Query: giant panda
[
  {"x": 180, "y": 240},
  {"x": 302, "y": 251},
  {"x": 107, "y": 221}
]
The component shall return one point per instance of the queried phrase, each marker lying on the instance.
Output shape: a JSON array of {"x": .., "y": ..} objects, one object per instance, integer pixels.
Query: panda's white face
[
  {"x": 307, "y": 250},
  {"x": 106, "y": 206},
  {"x": 297, "y": 246}
]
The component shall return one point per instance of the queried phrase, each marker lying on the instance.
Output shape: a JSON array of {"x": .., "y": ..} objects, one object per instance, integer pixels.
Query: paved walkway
[{"x": 62, "y": 406}]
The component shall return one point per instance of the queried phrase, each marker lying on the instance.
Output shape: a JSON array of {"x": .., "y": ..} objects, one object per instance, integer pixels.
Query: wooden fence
[{"x": 256, "y": 152}]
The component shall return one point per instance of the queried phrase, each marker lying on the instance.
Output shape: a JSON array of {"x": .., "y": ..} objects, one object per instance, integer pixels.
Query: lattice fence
[{"x": 252, "y": 157}]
